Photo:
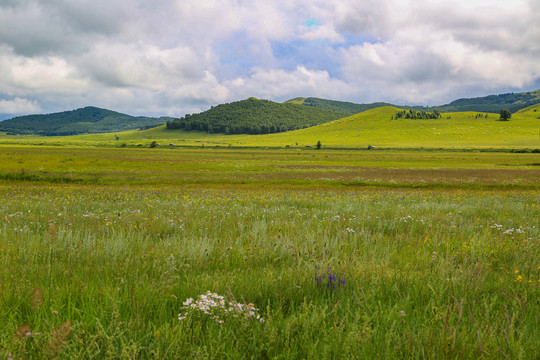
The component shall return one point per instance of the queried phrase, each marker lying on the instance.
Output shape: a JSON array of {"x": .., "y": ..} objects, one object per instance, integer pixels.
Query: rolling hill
[
  {"x": 81, "y": 121},
  {"x": 341, "y": 106},
  {"x": 253, "y": 116},
  {"x": 376, "y": 127},
  {"x": 489, "y": 104},
  {"x": 494, "y": 103}
]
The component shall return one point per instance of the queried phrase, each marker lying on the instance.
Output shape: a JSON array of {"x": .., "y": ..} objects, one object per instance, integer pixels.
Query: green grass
[
  {"x": 428, "y": 274},
  {"x": 298, "y": 101},
  {"x": 373, "y": 127},
  {"x": 101, "y": 246},
  {"x": 281, "y": 167}
]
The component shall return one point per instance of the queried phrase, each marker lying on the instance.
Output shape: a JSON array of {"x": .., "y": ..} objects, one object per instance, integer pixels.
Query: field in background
[
  {"x": 373, "y": 127},
  {"x": 435, "y": 254}
]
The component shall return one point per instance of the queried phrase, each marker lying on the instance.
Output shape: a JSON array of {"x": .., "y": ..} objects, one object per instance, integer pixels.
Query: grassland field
[
  {"x": 346, "y": 254},
  {"x": 279, "y": 168}
]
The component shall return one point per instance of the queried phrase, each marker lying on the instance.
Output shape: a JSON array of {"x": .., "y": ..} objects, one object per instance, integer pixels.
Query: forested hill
[
  {"x": 341, "y": 106},
  {"x": 494, "y": 103},
  {"x": 81, "y": 121},
  {"x": 253, "y": 116},
  {"x": 489, "y": 104}
]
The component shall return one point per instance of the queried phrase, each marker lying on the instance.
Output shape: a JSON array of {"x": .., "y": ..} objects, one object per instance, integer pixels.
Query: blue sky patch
[{"x": 311, "y": 22}]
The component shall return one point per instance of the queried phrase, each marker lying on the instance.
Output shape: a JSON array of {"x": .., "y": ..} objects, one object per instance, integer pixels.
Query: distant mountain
[
  {"x": 491, "y": 104},
  {"x": 253, "y": 116},
  {"x": 341, "y": 106},
  {"x": 81, "y": 121}
]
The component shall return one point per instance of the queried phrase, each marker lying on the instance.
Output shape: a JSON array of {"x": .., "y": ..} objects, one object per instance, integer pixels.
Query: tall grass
[{"x": 102, "y": 272}]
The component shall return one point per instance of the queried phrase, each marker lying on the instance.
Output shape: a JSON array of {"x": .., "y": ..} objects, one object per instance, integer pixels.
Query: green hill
[
  {"x": 489, "y": 104},
  {"x": 494, "y": 103},
  {"x": 531, "y": 112},
  {"x": 253, "y": 116},
  {"x": 377, "y": 127},
  {"x": 342, "y": 106},
  {"x": 81, "y": 121}
]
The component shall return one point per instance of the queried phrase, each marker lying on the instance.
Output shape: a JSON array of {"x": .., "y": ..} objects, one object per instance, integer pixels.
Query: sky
[{"x": 172, "y": 57}]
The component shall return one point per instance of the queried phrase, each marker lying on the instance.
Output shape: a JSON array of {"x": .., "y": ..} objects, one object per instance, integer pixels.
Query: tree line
[{"x": 412, "y": 114}]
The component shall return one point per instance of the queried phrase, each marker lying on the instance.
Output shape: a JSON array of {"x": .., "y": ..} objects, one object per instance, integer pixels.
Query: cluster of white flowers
[
  {"x": 518, "y": 230},
  {"x": 512, "y": 230},
  {"x": 217, "y": 307},
  {"x": 406, "y": 218}
]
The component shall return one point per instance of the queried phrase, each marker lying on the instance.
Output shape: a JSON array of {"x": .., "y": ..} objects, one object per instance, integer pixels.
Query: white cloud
[
  {"x": 140, "y": 65},
  {"x": 18, "y": 106},
  {"x": 180, "y": 56},
  {"x": 319, "y": 32},
  {"x": 21, "y": 74},
  {"x": 281, "y": 84}
]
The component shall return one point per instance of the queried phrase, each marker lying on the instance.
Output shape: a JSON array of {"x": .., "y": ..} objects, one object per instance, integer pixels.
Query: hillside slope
[
  {"x": 253, "y": 116},
  {"x": 80, "y": 121},
  {"x": 376, "y": 127},
  {"x": 494, "y": 103},
  {"x": 342, "y": 106},
  {"x": 489, "y": 104}
]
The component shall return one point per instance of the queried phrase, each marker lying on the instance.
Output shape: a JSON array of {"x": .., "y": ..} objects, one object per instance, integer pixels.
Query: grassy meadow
[
  {"x": 343, "y": 253},
  {"x": 237, "y": 246},
  {"x": 283, "y": 168}
]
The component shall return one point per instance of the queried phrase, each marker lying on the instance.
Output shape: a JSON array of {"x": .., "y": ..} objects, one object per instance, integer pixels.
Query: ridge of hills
[
  {"x": 253, "y": 116},
  {"x": 487, "y": 104},
  {"x": 341, "y": 106},
  {"x": 377, "y": 127},
  {"x": 85, "y": 120},
  {"x": 250, "y": 116}
]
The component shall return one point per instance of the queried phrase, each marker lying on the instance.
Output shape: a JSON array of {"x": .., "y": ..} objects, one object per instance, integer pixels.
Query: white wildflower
[{"x": 217, "y": 307}]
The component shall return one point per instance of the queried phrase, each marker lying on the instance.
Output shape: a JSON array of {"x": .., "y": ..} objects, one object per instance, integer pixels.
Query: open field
[
  {"x": 282, "y": 168},
  {"x": 373, "y": 127},
  {"x": 435, "y": 254},
  {"x": 427, "y": 273}
]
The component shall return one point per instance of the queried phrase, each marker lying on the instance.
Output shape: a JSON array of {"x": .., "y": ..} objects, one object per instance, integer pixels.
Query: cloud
[
  {"x": 318, "y": 32},
  {"x": 283, "y": 85},
  {"x": 140, "y": 65},
  {"x": 18, "y": 106},
  {"x": 21, "y": 75},
  {"x": 173, "y": 57}
]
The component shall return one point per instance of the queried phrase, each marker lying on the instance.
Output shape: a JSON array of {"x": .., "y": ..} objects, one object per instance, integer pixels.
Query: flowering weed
[
  {"x": 330, "y": 281},
  {"x": 217, "y": 308}
]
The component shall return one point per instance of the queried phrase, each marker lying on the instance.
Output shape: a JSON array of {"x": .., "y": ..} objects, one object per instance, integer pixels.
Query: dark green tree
[
  {"x": 319, "y": 144},
  {"x": 505, "y": 115}
]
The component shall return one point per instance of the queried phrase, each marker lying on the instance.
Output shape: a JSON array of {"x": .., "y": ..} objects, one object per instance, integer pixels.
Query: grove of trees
[
  {"x": 412, "y": 114},
  {"x": 253, "y": 116}
]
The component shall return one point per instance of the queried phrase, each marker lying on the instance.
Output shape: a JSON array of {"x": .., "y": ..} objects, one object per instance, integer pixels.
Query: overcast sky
[{"x": 171, "y": 57}]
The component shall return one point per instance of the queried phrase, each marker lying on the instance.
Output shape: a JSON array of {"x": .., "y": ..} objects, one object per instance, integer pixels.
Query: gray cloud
[{"x": 173, "y": 57}]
